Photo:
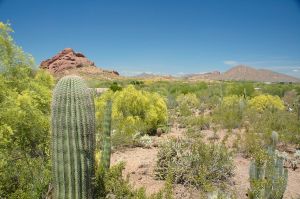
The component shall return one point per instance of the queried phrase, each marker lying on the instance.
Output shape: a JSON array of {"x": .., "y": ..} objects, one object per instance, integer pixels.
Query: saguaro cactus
[
  {"x": 73, "y": 138},
  {"x": 269, "y": 181},
  {"x": 106, "y": 151}
]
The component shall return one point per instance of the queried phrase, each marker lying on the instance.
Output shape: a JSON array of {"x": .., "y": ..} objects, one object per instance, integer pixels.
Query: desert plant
[
  {"x": 25, "y": 95},
  {"x": 106, "y": 147},
  {"x": 193, "y": 162},
  {"x": 115, "y": 186},
  {"x": 115, "y": 87},
  {"x": 73, "y": 138},
  {"x": 230, "y": 112},
  {"x": 132, "y": 111},
  {"x": 245, "y": 89},
  {"x": 142, "y": 140},
  {"x": 263, "y": 102},
  {"x": 268, "y": 179},
  {"x": 186, "y": 103}
]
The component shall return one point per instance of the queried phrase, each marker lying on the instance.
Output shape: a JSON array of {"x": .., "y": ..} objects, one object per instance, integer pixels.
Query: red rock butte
[{"x": 68, "y": 59}]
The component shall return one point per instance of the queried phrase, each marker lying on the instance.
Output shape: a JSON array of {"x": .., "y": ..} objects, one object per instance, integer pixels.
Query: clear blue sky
[{"x": 162, "y": 36}]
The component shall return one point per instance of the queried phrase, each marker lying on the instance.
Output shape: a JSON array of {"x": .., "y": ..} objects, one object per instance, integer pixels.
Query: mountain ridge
[{"x": 245, "y": 73}]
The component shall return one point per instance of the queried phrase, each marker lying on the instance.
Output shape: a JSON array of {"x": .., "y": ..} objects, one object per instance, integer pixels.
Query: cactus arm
[{"x": 106, "y": 153}]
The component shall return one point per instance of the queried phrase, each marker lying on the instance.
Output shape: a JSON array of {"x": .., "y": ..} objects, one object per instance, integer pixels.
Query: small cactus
[
  {"x": 268, "y": 181},
  {"x": 274, "y": 139},
  {"x": 106, "y": 150}
]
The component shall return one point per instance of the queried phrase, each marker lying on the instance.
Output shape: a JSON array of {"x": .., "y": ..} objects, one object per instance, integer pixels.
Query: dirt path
[{"x": 140, "y": 164}]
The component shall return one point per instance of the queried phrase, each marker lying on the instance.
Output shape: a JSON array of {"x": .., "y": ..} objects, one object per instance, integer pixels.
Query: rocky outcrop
[
  {"x": 69, "y": 62},
  {"x": 66, "y": 59}
]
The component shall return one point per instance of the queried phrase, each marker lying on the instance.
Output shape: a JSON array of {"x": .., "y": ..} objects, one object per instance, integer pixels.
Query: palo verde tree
[{"x": 25, "y": 96}]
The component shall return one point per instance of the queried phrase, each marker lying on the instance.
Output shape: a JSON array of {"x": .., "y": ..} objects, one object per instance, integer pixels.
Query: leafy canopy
[{"x": 24, "y": 122}]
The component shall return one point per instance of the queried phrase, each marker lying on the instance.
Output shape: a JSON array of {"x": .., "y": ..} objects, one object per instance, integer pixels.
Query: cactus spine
[
  {"x": 269, "y": 181},
  {"x": 73, "y": 139},
  {"x": 106, "y": 150}
]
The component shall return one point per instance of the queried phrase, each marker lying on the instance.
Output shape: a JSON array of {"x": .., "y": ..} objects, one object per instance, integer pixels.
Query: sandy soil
[{"x": 140, "y": 164}]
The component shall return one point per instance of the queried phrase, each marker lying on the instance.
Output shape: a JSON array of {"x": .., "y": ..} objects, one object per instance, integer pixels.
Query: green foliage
[
  {"x": 106, "y": 147},
  {"x": 276, "y": 89},
  {"x": 115, "y": 87},
  {"x": 73, "y": 139},
  {"x": 268, "y": 179},
  {"x": 244, "y": 89},
  {"x": 186, "y": 103},
  {"x": 285, "y": 123},
  {"x": 111, "y": 184},
  {"x": 25, "y": 98},
  {"x": 136, "y": 82},
  {"x": 230, "y": 112},
  {"x": 198, "y": 122},
  {"x": 188, "y": 88},
  {"x": 133, "y": 111},
  {"x": 194, "y": 163}
]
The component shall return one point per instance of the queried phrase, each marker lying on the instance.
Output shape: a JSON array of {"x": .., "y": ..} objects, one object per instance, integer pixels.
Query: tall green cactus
[
  {"x": 106, "y": 150},
  {"x": 73, "y": 139},
  {"x": 268, "y": 181}
]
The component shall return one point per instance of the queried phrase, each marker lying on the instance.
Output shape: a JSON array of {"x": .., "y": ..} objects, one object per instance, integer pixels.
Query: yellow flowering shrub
[
  {"x": 231, "y": 100},
  {"x": 190, "y": 99},
  {"x": 133, "y": 110},
  {"x": 262, "y": 102}
]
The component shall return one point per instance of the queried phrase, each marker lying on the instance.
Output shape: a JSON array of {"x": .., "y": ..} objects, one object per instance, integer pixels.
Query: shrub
[
  {"x": 142, "y": 140},
  {"x": 268, "y": 177},
  {"x": 179, "y": 88},
  {"x": 194, "y": 162},
  {"x": 285, "y": 123},
  {"x": 230, "y": 112},
  {"x": 275, "y": 89},
  {"x": 197, "y": 123},
  {"x": 262, "y": 102},
  {"x": 187, "y": 102},
  {"x": 24, "y": 122},
  {"x": 113, "y": 185},
  {"x": 115, "y": 87},
  {"x": 132, "y": 111},
  {"x": 241, "y": 89}
]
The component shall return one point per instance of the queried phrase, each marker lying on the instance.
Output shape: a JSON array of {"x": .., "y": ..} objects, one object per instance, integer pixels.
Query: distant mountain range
[
  {"x": 244, "y": 73},
  {"x": 70, "y": 62}
]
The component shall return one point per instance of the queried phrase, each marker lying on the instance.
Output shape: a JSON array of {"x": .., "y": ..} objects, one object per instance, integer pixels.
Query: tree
[{"x": 24, "y": 122}]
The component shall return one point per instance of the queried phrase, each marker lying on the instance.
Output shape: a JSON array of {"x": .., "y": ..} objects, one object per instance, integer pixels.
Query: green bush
[
  {"x": 186, "y": 103},
  {"x": 179, "y": 88},
  {"x": 133, "y": 111},
  {"x": 112, "y": 185},
  {"x": 276, "y": 89},
  {"x": 115, "y": 87},
  {"x": 244, "y": 89},
  {"x": 285, "y": 123},
  {"x": 24, "y": 122},
  {"x": 194, "y": 163},
  {"x": 200, "y": 122},
  {"x": 230, "y": 112}
]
